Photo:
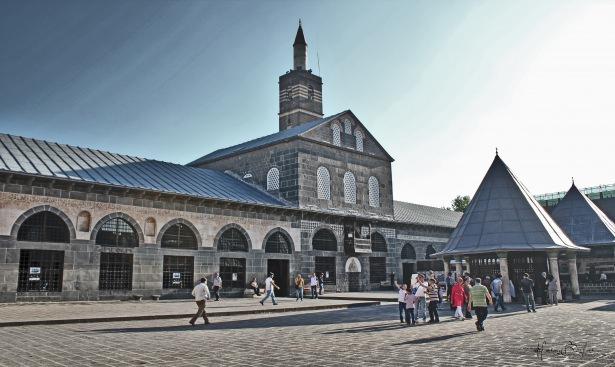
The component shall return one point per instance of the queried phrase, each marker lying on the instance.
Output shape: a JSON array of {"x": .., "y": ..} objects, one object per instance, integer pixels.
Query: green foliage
[{"x": 460, "y": 203}]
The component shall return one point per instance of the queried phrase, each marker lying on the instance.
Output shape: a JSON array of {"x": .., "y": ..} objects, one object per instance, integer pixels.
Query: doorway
[
  {"x": 354, "y": 283},
  {"x": 408, "y": 270},
  {"x": 281, "y": 275}
]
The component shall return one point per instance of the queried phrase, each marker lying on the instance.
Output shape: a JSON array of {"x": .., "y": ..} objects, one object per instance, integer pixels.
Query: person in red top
[{"x": 458, "y": 298}]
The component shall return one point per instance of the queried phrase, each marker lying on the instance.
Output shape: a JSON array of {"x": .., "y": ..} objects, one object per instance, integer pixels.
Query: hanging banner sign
[
  {"x": 177, "y": 275},
  {"x": 35, "y": 274},
  {"x": 35, "y": 270},
  {"x": 327, "y": 274},
  {"x": 234, "y": 277}
]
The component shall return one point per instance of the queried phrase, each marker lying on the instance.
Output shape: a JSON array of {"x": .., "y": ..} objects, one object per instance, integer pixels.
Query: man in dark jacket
[{"x": 527, "y": 289}]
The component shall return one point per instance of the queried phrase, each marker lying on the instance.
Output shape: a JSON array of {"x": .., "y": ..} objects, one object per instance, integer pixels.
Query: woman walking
[{"x": 458, "y": 298}]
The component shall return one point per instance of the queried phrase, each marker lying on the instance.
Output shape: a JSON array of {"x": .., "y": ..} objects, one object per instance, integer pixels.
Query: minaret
[{"x": 300, "y": 90}]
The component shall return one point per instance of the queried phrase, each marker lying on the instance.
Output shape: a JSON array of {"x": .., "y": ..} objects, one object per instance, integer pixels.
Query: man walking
[
  {"x": 421, "y": 302},
  {"x": 527, "y": 289},
  {"x": 200, "y": 294},
  {"x": 479, "y": 299},
  {"x": 496, "y": 288},
  {"x": 314, "y": 285},
  {"x": 269, "y": 286},
  {"x": 217, "y": 281}
]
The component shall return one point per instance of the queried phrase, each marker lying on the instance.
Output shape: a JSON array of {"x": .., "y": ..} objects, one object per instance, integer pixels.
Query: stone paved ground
[{"x": 350, "y": 337}]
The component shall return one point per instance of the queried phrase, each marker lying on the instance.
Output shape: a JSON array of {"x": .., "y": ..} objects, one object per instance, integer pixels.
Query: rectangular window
[
  {"x": 40, "y": 271},
  {"x": 233, "y": 272},
  {"x": 377, "y": 269},
  {"x": 115, "y": 271},
  {"x": 178, "y": 272},
  {"x": 325, "y": 265}
]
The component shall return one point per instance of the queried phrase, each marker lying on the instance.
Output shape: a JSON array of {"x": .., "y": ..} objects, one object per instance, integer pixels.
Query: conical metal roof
[
  {"x": 582, "y": 220},
  {"x": 504, "y": 216},
  {"x": 299, "y": 37}
]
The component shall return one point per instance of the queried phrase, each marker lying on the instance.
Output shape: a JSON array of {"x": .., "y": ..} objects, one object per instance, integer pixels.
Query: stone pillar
[
  {"x": 458, "y": 268},
  {"x": 467, "y": 259},
  {"x": 503, "y": 257},
  {"x": 554, "y": 269},
  {"x": 446, "y": 265},
  {"x": 574, "y": 275}
]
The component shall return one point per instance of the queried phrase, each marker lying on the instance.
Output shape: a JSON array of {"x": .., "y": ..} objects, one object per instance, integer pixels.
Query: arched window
[
  {"x": 408, "y": 253},
  {"x": 337, "y": 139},
  {"x": 278, "y": 243},
  {"x": 310, "y": 92},
  {"x": 428, "y": 251},
  {"x": 324, "y": 240},
  {"x": 179, "y": 236},
  {"x": 323, "y": 181},
  {"x": 273, "y": 179},
  {"x": 233, "y": 240},
  {"x": 347, "y": 127},
  {"x": 44, "y": 226},
  {"x": 373, "y": 192},
  {"x": 379, "y": 244},
  {"x": 350, "y": 188},
  {"x": 117, "y": 232},
  {"x": 359, "y": 140}
]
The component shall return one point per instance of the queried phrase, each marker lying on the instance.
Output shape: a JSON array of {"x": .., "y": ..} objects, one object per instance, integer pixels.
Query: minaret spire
[{"x": 300, "y": 50}]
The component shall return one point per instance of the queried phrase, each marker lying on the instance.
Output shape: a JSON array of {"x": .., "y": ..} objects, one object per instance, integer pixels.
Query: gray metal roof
[
  {"x": 60, "y": 161},
  {"x": 504, "y": 216},
  {"x": 582, "y": 220},
  {"x": 265, "y": 140},
  {"x": 425, "y": 215}
]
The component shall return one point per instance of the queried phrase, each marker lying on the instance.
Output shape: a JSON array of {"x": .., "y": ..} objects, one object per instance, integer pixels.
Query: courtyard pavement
[{"x": 571, "y": 334}]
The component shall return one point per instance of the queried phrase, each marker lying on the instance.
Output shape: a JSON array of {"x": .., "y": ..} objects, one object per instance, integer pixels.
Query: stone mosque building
[{"x": 84, "y": 224}]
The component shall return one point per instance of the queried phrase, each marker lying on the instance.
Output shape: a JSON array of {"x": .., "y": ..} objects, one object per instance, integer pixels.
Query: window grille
[
  {"x": 324, "y": 240},
  {"x": 40, "y": 271},
  {"x": 408, "y": 253},
  {"x": 347, "y": 127},
  {"x": 233, "y": 272},
  {"x": 359, "y": 140},
  {"x": 115, "y": 271},
  {"x": 379, "y": 244},
  {"x": 117, "y": 232},
  {"x": 373, "y": 192},
  {"x": 273, "y": 179},
  {"x": 278, "y": 243},
  {"x": 377, "y": 269},
  {"x": 428, "y": 251},
  {"x": 179, "y": 236},
  {"x": 44, "y": 226},
  {"x": 337, "y": 139},
  {"x": 233, "y": 240},
  {"x": 324, "y": 183},
  {"x": 178, "y": 272},
  {"x": 325, "y": 265},
  {"x": 350, "y": 188}
]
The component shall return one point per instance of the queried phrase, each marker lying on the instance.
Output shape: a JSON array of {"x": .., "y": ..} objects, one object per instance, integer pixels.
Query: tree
[{"x": 460, "y": 203}]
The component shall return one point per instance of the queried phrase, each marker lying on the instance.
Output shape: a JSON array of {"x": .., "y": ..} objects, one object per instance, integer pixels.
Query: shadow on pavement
[
  {"x": 609, "y": 307},
  {"x": 435, "y": 338}
]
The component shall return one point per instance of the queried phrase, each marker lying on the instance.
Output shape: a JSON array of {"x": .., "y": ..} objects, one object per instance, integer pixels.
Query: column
[
  {"x": 554, "y": 269},
  {"x": 446, "y": 265},
  {"x": 458, "y": 268},
  {"x": 503, "y": 257},
  {"x": 574, "y": 275},
  {"x": 467, "y": 259}
]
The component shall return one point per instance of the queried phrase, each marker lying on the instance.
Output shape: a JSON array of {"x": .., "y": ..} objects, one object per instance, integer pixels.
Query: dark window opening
[
  {"x": 278, "y": 243},
  {"x": 117, "y": 232},
  {"x": 115, "y": 271},
  {"x": 427, "y": 265},
  {"x": 44, "y": 227},
  {"x": 233, "y": 272},
  {"x": 324, "y": 240},
  {"x": 326, "y": 266},
  {"x": 179, "y": 236},
  {"x": 40, "y": 271},
  {"x": 377, "y": 269},
  {"x": 429, "y": 251},
  {"x": 379, "y": 244},
  {"x": 408, "y": 253},
  {"x": 233, "y": 240},
  {"x": 178, "y": 272}
]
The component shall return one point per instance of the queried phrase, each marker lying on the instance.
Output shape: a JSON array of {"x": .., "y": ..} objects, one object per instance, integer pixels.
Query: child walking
[
  {"x": 410, "y": 300},
  {"x": 434, "y": 298}
]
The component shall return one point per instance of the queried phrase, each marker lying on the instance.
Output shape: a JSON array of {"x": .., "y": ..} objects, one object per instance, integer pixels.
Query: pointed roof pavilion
[
  {"x": 504, "y": 216},
  {"x": 582, "y": 220}
]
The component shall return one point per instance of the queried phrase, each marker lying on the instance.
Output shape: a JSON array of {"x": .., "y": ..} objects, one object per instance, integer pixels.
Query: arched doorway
[{"x": 408, "y": 262}]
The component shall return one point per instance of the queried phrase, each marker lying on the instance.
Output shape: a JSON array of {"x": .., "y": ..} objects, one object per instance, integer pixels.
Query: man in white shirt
[
  {"x": 269, "y": 286},
  {"x": 200, "y": 294},
  {"x": 217, "y": 281},
  {"x": 421, "y": 303},
  {"x": 314, "y": 285}
]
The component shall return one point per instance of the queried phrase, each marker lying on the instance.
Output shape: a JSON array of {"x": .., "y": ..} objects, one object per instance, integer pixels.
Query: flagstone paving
[{"x": 572, "y": 334}]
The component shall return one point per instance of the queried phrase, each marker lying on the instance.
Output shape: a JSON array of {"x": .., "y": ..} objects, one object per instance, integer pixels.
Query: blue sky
[{"x": 439, "y": 83}]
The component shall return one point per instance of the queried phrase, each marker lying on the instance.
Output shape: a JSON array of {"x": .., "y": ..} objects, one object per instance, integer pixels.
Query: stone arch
[
  {"x": 41, "y": 208},
  {"x": 378, "y": 237},
  {"x": 429, "y": 250},
  {"x": 327, "y": 228},
  {"x": 84, "y": 221},
  {"x": 121, "y": 215},
  {"x": 353, "y": 265},
  {"x": 291, "y": 243},
  {"x": 237, "y": 227},
  {"x": 408, "y": 252},
  {"x": 173, "y": 222}
]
